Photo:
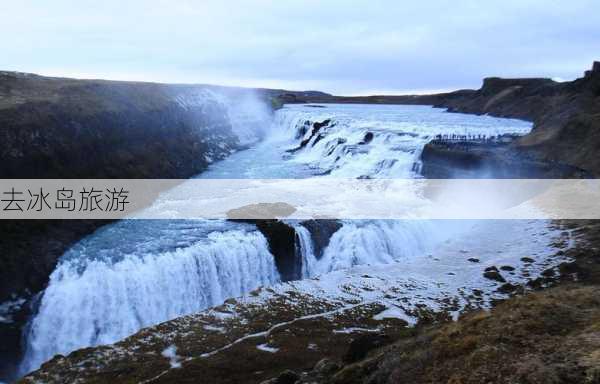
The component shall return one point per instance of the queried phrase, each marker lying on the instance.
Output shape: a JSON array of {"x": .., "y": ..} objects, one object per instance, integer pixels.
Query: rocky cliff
[
  {"x": 62, "y": 128},
  {"x": 566, "y": 116}
]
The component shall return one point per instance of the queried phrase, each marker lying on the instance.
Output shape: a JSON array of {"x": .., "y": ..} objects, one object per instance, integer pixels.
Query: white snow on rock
[
  {"x": 267, "y": 348},
  {"x": 212, "y": 328},
  {"x": 444, "y": 279},
  {"x": 356, "y": 329},
  {"x": 394, "y": 312},
  {"x": 7, "y": 308},
  {"x": 171, "y": 354}
]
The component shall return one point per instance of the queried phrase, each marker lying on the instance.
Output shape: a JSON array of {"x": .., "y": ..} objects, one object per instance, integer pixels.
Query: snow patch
[
  {"x": 267, "y": 348},
  {"x": 171, "y": 354},
  {"x": 394, "y": 312},
  {"x": 222, "y": 315},
  {"x": 214, "y": 329},
  {"x": 355, "y": 329},
  {"x": 8, "y": 308}
]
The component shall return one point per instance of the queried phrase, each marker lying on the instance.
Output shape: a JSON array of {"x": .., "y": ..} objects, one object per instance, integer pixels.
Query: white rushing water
[
  {"x": 133, "y": 274},
  {"x": 104, "y": 290},
  {"x": 382, "y": 242}
]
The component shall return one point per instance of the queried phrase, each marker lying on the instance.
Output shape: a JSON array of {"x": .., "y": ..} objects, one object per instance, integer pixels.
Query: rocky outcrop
[
  {"x": 446, "y": 160},
  {"x": 565, "y": 116},
  {"x": 595, "y": 69},
  {"x": 316, "y": 127},
  {"x": 493, "y": 273},
  {"x": 320, "y": 232},
  {"x": 367, "y": 138},
  {"x": 285, "y": 246},
  {"x": 282, "y": 244}
]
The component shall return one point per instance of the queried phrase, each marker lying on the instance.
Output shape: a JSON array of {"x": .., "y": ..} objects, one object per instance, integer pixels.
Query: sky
[{"x": 342, "y": 47}]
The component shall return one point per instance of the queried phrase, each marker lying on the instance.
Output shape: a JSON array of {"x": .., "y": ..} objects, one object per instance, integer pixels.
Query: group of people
[{"x": 468, "y": 137}]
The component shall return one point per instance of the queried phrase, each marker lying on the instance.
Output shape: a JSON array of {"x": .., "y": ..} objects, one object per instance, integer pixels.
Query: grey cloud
[{"x": 337, "y": 46}]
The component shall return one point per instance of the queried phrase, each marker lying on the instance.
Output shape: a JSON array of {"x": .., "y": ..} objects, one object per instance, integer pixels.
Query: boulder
[
  {"x": 367, "y": 139},
  {"x": 285, "y": 377},
  {"x": 507, "y": 288},
  {"x": 548, "y": 272},
  {"x": 363, "y": 344},
  {"x": 492, "y": 273},
  {"x": 326, "y": 367},
  {"x": 321, "y": 231}
]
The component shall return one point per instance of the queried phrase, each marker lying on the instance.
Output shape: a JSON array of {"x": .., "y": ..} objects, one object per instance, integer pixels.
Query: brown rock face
[{"x": 492, "y": 273}]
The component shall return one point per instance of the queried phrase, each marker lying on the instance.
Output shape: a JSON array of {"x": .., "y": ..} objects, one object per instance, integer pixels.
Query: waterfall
[
  {"x": 304, "y": 246},
  {"x": 133, "y": 274},
  {"x": 106, "y": 301},
  {"x": 383, "y": 141},
  {"x": 364, "y": 242}
]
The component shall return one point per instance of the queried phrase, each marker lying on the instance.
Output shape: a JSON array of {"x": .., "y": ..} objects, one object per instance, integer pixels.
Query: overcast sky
[{"x": 343, "y": 47}]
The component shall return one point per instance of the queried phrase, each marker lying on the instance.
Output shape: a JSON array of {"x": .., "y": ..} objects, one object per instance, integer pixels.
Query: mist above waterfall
[
  {"x": 250, "y": 117},
  {"x": 245, "y": 111}
]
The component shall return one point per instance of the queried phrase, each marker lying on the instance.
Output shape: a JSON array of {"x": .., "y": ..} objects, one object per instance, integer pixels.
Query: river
[{"x": 136, "y": 273}]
